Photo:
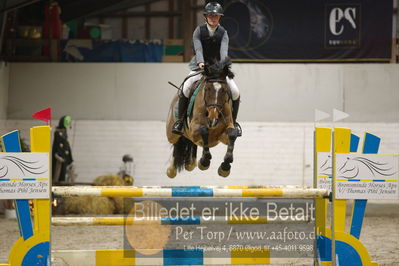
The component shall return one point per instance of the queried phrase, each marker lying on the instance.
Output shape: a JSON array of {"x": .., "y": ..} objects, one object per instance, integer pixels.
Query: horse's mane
[{"x": 219, "y": 69}]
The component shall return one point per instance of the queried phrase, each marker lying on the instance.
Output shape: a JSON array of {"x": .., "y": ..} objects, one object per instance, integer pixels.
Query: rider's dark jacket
[{"x": 209, "y": 47}]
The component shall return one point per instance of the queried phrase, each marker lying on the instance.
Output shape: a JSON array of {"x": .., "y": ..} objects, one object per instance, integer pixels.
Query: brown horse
[{"x": 211, "y": 122}]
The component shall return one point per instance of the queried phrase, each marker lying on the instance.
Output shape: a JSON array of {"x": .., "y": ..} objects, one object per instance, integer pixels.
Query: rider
[{"x": 211, "y": 43}]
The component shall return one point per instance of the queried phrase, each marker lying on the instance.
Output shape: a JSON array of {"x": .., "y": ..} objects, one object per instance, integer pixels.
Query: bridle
[{"x": 218, "y": 106}]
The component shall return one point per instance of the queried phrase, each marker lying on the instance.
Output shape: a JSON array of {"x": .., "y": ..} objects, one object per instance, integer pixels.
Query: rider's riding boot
[
  {"x": 182, "y": 109},
  {"x": 236, "y": 106}
]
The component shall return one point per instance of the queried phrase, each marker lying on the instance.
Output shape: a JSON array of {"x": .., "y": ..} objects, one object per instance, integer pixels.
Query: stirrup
[
  {"x": 178, "y": 127},
  {"x": 238, "y": 128}
]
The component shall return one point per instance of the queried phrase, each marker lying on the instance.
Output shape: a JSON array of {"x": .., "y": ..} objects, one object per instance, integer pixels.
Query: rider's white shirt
[
  {"x": 235, "y": 93},
  {"x": 211, "y": 30}
]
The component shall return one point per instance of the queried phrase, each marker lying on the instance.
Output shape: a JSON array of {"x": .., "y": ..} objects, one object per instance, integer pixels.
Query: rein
[
  {"x": 180, "y": 88},
  {"x": 189, "y": 76},
  {"x": 216, "y": 80}
]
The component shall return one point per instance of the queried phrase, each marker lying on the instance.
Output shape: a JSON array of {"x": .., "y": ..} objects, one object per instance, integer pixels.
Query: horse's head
[{"x": 216, "y": 91}]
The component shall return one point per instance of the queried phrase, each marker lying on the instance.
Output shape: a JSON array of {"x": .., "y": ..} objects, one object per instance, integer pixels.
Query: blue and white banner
[
  {"x": 360, "y": 176},
  {"x": 366, "y": 176},
  {"x": 311, "y": 30},
  {"x": 24, "y": 175}
]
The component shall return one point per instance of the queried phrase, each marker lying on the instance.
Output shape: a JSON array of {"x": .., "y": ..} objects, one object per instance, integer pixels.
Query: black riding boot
[
  {"x": 236, "y": 106},
  {"x": 182, "y": 109}
]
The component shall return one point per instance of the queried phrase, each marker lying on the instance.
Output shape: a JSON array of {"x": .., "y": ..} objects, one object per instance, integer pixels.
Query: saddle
[{"x": 192, "y": 96}]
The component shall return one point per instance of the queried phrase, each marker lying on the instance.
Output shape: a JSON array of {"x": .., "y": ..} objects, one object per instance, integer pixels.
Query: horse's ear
[
  {"x": 212, "y": 68},
  {"x": 207, "y": 70},
  {"x": 230, "y": 74},
  {"x": 227, "y": 68}
]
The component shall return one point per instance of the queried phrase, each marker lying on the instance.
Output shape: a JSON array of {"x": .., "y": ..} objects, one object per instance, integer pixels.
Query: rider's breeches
[{"x": 235, "y": 92}]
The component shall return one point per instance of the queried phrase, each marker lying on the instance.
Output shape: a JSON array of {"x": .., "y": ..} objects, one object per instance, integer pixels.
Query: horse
[{"x": 211, "y": 122}]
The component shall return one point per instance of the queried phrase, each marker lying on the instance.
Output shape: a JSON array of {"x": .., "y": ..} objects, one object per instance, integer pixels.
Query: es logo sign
[
  {"x": 337, "y": 15},
  {"x": 342, "y": 26}
]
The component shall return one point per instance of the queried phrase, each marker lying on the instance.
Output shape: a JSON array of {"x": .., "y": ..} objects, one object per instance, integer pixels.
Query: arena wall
[{"x": 139, "y": 91}]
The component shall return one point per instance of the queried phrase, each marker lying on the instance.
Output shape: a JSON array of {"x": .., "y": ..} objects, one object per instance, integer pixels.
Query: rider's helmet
[{"x": 213, "y": 8}]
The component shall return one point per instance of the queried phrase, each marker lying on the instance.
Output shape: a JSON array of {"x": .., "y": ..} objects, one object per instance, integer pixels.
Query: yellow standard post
[
  {"x": 341, "y": 143},
  {"x": 322, "y": 143},
  {"x": 40, "y": 142}
]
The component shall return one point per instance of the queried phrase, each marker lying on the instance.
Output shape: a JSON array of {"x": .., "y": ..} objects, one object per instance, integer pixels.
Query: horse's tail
[{"x": 182, "y": 152}]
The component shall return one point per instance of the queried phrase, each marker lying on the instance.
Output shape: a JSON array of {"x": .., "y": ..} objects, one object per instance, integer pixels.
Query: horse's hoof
[
  {"x": 171, "y": 172},
  {"x": 190, "y": 166},
  {"x": 203, "y": 165},
  {"x": 223, "y": 173}
]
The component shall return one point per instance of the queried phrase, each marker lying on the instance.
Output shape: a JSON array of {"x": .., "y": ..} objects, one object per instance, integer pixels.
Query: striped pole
[
  {"x": 243, "y": 256},
  {"x": 192, "y": 220},
  {"x": 246, "y": 256},
  {"x": 122, "y": 191}
]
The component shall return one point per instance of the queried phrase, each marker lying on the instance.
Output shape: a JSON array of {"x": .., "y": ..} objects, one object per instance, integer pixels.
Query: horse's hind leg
[
  {"x": 171, "y": 172},
  {"x": 205, "y": 160},
  {"x": 192, "y": 163},
  {"x": 224, "y": 168}
]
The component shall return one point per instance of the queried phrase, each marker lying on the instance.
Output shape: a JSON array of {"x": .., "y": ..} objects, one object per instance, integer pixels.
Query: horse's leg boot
[
  {"x": 236, "y": 107},
  {"x": 182, "y": 109}
]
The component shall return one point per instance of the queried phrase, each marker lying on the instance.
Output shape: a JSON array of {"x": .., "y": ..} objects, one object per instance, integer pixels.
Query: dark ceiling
[{"x": 74, "y": 9}]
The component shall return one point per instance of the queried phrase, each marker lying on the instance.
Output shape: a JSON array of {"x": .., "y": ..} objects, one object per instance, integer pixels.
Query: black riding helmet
[{"x": 213, "y": 8}]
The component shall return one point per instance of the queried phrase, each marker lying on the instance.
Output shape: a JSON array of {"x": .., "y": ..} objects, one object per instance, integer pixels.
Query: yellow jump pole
[
  {"x": 122, "y": 191},
  {"x": 341, "y": 144}
]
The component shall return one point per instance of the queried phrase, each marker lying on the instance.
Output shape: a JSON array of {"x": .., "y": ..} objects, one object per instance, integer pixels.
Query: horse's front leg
[
  {"x": 205, "y": 160},
  {"x": 224, "y": 168}
]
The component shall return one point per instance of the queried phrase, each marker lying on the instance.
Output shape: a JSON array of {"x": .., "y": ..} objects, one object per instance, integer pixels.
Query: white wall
[
  {"x": 372, "y": 93},
  {"x": 139, "y": 91},
  {"x": 94, "y": 91},
  {"x": 4, "y": 81}
]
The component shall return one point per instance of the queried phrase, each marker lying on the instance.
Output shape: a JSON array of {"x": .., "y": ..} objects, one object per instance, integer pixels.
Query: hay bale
[
  {"x": 88, "y": 205},
  {"x": 122, "y": 205},
  {"x": 99, "y": 205},
  {"x": 109, "y": 180}
]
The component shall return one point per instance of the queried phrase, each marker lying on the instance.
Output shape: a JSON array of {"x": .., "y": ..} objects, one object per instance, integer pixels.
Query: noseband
[{"x": 219, "y": 107}]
